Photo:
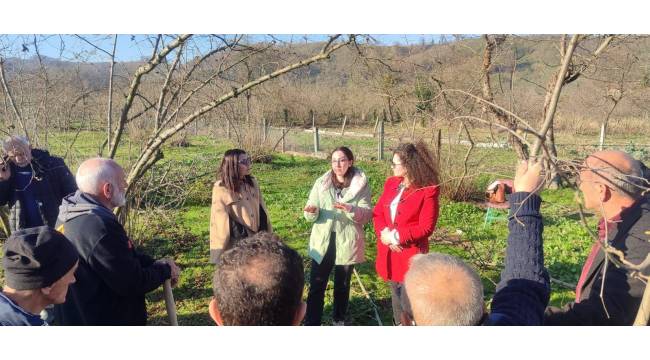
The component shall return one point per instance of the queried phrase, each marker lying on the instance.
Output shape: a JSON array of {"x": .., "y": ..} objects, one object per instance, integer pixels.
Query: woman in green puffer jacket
[{"x": 339, "y": 206}]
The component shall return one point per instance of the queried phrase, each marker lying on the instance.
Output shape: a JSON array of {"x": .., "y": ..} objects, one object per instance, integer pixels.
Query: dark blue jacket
[
  {"x": 52, "y": 181},
  {"x": 13, "y": 315},
  {"x": 524, "y": 290}
]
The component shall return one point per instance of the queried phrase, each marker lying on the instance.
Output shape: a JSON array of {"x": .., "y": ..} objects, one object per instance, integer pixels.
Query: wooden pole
[
  {"x": 265, "y": 130},
  {"x": 374, "y": 128},
  {"x": 345, "y": 120},
  {"x": 284, "y": 142},
  {"x": 438, "y": 144},
  {"x": 316, "y": 140},
  {"x": 380, "y": 145},
  {"x": 170, "y": 304}
]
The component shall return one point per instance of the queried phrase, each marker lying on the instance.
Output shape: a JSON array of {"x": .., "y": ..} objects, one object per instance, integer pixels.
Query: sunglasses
[{"x": 245, "y": 161}]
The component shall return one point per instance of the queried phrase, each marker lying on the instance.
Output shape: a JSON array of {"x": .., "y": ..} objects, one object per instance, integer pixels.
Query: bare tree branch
[
  {"x": 154, "y": 144},
  {"x": 550, "y": 113},
  {"x": 156, "y": 59},
  {"x": 12, "y": 102}
]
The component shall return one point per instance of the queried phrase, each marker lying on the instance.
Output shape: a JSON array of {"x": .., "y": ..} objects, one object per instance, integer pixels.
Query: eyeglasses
[
  {"x": 394, "y": 165},
  {"x": 245, "y": 161},
  {"x": 339, "y": 161}
]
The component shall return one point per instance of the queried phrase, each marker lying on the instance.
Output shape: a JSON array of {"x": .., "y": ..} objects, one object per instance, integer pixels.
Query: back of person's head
[
  {"x": 442, "y": 290},
  {"x": 93, "y": 173},
  {"x": 259, "y": 281},
  {"x": 41, "y": 261}
]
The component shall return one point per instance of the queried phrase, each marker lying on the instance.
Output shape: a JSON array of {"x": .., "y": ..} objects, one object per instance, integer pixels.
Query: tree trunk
[
  {"x": 553, "y": 91},
  {"x": 552, "y": 97},
  {"x": 109, "y": 110},
  {"x": 502, "y": 117}
]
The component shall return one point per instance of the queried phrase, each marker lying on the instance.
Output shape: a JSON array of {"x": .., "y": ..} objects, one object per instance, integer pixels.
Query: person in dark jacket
[
  {"x": 442, "y": 290},
  {"x": 611, "y": 185},
  {"x": 39, "y": 264},
  {"x": 32, "y": 184},
  {"x": 113, "y": 277}
]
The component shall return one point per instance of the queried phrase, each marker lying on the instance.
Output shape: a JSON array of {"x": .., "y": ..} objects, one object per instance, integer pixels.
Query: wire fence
[{"x": 319, "y": 142}]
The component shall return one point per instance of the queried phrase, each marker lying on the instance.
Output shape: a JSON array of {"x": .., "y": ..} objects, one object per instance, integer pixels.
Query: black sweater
[
  {"x": 523, "y": 292},
  {"x": 112, "y": 277}
]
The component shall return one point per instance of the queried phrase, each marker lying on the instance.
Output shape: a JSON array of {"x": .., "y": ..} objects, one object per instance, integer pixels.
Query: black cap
[{"x": 37, "y": 257}]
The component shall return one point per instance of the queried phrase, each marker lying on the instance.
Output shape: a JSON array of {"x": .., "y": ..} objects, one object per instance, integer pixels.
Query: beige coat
[{"x": 243, "y": 206}]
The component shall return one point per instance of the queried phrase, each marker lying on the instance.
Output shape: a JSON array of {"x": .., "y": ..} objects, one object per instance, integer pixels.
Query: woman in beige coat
[{"x": 238, "y": 209}]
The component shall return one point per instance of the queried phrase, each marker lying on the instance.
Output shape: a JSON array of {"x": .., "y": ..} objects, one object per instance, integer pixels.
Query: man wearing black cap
[{"x": 39, "y": 265}]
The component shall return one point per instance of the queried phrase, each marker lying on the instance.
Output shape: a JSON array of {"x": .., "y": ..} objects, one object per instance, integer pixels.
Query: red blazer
[{"x": 415, "y": 220}]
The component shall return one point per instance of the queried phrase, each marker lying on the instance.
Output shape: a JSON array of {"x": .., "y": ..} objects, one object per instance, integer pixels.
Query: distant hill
[{"x": 357, "y": 84}]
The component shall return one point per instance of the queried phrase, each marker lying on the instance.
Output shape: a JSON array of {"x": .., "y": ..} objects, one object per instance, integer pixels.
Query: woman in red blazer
[{"x": 405, "y": 215}]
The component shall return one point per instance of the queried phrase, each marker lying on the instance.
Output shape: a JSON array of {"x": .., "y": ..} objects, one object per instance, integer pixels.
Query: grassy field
[
  {"x": 285, "y": 183},
  {"x": 183, "y": 233}
]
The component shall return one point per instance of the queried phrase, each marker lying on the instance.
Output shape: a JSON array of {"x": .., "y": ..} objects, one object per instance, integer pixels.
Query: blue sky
[{"x": 134, "y": 47}]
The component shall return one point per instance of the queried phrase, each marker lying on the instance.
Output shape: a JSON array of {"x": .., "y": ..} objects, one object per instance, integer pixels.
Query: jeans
[{"x": 318, "y": 278}]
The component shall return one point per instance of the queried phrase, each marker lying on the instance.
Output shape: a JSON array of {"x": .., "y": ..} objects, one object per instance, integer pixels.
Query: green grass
[{"x": 285, "y": 183}]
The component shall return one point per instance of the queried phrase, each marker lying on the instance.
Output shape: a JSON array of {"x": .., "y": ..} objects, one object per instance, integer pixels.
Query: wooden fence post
[
  {"x": 284, "y": 142},
  {"x": 380, "y": 145},
  {"x": 345, "y": 121},
  {"x": 374, "y": 128},
  {"x": 438, "y": 145},
  {"x": 265, "y": 130},
  {"x": 316, "y": 140}
]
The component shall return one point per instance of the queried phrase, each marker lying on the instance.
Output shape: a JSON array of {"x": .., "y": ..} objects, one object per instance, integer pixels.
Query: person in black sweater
[
  {"x": 112, "y": 277},
  {"x": 442, "y": 290}
]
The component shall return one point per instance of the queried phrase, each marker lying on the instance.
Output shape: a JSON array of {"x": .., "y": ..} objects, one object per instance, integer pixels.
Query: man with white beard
[{"x": 112, "y": 277}]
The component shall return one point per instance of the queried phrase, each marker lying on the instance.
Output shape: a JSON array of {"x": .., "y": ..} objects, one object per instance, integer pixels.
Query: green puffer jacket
[{"x": 350, "y": 239}]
